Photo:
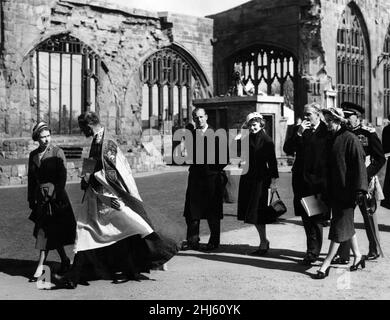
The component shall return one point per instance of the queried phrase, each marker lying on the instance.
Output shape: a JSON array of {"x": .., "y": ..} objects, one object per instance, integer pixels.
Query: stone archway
[
  {"x": 267, "y": 69},
  {"x": 353, "y": 59},
  {"x": 171, "y": 80},
  {"x": 386, "y": 75},
  {"x": 64, "y": 75}
]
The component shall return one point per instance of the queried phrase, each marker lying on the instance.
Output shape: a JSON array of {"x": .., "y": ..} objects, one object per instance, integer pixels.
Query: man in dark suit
[
  {"x": 386, "y": 149},
  {"x": 373, "y": 149},
  {"x": 206, "y": 182},
  {"x": 308, "y": 142}
]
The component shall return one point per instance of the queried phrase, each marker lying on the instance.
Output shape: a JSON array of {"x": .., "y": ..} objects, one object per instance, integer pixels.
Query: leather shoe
[
  {"x": 260, "y": 252},
  {"x": 120, "y": 277},
  {"x": 309, "y": 259},
  {"x": 322, "y": 275},
  {"x": 189, "y": 246},
  {"x": 339, "y": 260},
  {"x": 372, "y": 256}
]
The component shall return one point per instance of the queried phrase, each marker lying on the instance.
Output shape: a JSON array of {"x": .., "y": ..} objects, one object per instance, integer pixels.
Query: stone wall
[
  {"x": 194, "y": 34},
  {"x": 122, "y": 37},
  {"x": 139, "y": 160},
  {"x": 308, "y": 29},
  {"x": 256, "y": 22},
  {"x": 375, "y": 16}
]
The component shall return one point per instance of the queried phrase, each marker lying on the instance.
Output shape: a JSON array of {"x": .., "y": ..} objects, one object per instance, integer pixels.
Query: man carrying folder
[{"x": 308, "y": 142}]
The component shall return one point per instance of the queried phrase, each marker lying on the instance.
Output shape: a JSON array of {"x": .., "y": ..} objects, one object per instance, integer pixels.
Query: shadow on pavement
[
  {"x": 246, "y": 249},
  {"x": 258, "y": 262},
  {"x": 22, "y": 268},
  {"x": 381, "y": 227}
]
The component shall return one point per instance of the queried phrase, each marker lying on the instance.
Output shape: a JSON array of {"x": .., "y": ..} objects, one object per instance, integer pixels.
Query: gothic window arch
[
  {"x": 352, "y": 59},
  {"x": 266, "y": 69},
  {"x": 171, "y": 80},
  {"x": 386, "y": 76},
  {"x": 65, "y": 73}
]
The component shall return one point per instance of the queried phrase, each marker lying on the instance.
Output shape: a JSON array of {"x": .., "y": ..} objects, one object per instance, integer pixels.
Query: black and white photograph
[{"x": 203, "y": 152}]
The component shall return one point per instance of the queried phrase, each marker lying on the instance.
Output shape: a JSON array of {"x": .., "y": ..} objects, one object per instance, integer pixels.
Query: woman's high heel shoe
[
  {"x": 322, "y": 275},
  {"x": 38, "y": 272},
  {"x": 33, "y": 279},
  {"x": 362, "y": 262}
]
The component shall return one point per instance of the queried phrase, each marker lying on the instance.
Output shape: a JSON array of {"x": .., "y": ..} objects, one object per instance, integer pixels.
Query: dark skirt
[
  {"x": 252, "y": 200},
  {"x": 57, "y": 221},
  {"x": 341, "y": 225},
  {"x": 132, "y": 255}
]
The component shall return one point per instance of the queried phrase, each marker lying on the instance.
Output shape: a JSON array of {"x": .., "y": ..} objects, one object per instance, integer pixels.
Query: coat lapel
[
  {"x": 48, "y": 153},
  {"x": 35, "y": 159}
]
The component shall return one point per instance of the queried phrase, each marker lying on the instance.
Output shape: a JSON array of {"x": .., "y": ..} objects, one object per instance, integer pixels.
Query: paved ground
[{"x": 229, "y": 273}]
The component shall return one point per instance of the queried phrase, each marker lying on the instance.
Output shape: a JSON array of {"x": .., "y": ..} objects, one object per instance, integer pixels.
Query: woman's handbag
[{"x": 275, "y": 209}]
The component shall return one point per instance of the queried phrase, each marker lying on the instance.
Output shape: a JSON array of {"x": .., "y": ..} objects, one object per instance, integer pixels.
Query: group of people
[
  {"x": 206, "y": 183},
  {"x": 112, "y": 234},
  {"x": 336, "y": 158}
]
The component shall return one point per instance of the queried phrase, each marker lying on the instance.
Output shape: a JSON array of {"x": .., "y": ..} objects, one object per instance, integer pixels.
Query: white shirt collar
[
  {"x": 315, "y": 127},
  {"x": 99, "y": 135}
]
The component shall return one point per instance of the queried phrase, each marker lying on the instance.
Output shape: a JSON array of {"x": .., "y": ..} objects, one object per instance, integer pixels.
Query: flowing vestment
[
  {"x": 110, "y": 239},
  {"x": 98, "y": 224}
]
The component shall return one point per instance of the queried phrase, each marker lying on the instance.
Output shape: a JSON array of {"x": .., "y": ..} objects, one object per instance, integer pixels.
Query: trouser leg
[
  {"x": 369, "y": 225},
  {"x": 215, "y": 231},
  {"x": 313, "y": 229},
  {"x": 192, "y": 231},
  {"x": 75, "y": 271}
]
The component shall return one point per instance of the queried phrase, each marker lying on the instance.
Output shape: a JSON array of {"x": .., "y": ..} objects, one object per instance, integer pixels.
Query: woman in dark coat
[
  {"x": 347, "y": 185},
  {"x": 55, "y": 225},
  {"x": 261, "y": 174}
]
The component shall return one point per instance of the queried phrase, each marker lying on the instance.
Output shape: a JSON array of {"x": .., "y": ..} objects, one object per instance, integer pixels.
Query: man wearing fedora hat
[{"x": 373, "y": 149}]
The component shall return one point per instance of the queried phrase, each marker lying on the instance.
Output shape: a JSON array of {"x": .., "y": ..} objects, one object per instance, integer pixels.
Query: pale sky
[{"x": 191, "y": 7}]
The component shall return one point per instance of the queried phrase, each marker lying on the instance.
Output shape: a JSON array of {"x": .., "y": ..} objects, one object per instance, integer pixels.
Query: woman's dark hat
[{"x": 351, "y": 108}]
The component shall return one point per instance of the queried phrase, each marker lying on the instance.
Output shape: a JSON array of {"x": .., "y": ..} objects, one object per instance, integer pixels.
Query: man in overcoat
[
  {"x": 308, "y": 142},
  {"x": 386, "y": 149},
  {"x": 374, "y": 152},
  {"x": 206, "y": 182}
]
